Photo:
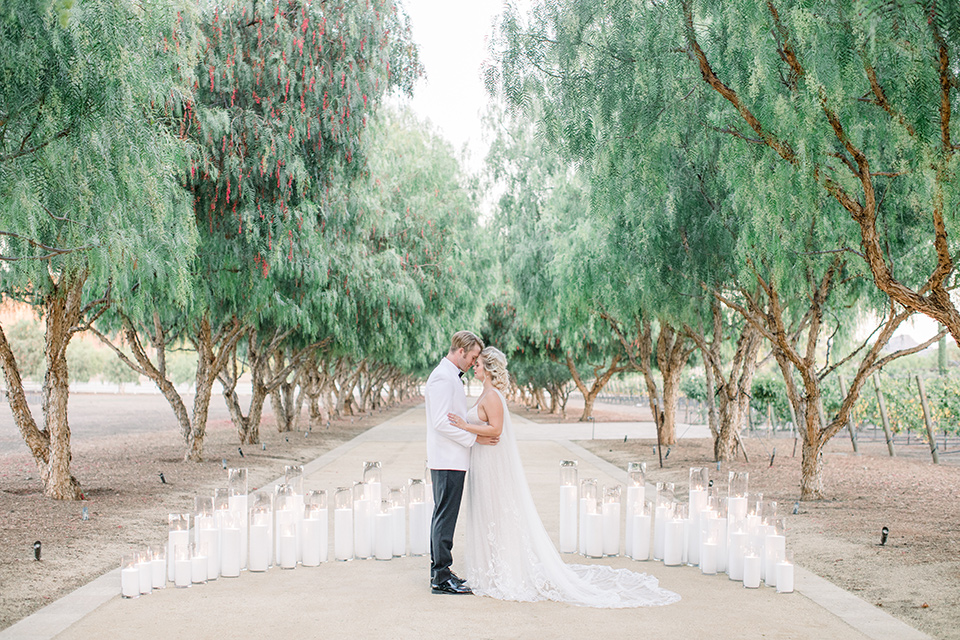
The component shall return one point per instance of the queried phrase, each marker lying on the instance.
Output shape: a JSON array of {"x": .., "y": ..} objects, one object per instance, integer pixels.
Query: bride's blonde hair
[{"x": 495, "y": 364}]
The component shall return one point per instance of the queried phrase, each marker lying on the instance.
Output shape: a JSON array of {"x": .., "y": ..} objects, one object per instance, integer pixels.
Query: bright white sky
[{"x": 453, "y": 37}]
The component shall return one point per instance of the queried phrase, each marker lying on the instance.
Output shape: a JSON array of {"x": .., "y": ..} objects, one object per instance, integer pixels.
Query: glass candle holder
[
  {"x": 419, "y": 517},
  {"x": 637, "y": 474},
  {"x": 158, "y": 565},
  {"x": 785, "y": 573},
  {"x": 145, "y": 569},
  {"x": 129, "y": 576},
  {"x": 261, "y": 532},
  {"x": 372, "y": 472},
  {"x": 665, "y": 494},
  {"x": 203, "y": 505},
  {"x": 416, "y": 490},
  {"x": 178, "y": 533},
  {"x": 699, "y": 478},
  {"x": 343, "y": 523},
  {"x": 343, "y": 498},
  {"x": 198, "y": 563},
  {"x": 283, "y": 497},
  {"x": 293, "y": 477},
  {"x": 568, "y": 473},
  {"x": 183, "y": 567},
  {"x": 237, "y": 482},
  {"x": 737, "y": 484},
  {"x": 769, "y": 512},
  {"x": 221, "y": 499},
  {"x": 610, "y": 511},
  {"x": 316, "y": 500},
  {"x": 383, "y": 530}
]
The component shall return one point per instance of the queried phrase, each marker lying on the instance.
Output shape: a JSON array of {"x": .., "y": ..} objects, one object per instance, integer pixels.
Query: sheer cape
[{"x": 510, "y": 556}]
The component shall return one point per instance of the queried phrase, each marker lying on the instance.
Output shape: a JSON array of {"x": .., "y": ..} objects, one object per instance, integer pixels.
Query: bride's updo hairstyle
[{"x": 495, "y": 364}]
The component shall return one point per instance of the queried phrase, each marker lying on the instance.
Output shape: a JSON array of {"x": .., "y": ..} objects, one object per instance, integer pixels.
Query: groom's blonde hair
[{"x": 465, "y": 340}]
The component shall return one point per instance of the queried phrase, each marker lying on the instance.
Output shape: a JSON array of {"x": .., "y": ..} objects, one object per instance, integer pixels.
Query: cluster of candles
[
  {"x": 739, "y": 534},
  {"x": 235, "y": 531}
]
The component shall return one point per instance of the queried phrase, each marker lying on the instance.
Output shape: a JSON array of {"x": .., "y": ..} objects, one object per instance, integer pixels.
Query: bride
[{"x": 509, "y": 555}]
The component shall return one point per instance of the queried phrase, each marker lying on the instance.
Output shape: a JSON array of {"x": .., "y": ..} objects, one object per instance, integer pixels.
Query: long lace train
[{"x": 510, "y": 556}]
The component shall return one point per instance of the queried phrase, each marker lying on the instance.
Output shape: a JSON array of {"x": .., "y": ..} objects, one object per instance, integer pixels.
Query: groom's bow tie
[{"x": 460, "y": 374}]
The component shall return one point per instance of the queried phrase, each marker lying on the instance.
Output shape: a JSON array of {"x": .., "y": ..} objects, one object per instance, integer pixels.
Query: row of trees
[
  {"x": 222, "y": 176},
  {"x": 692, "y": 175}
]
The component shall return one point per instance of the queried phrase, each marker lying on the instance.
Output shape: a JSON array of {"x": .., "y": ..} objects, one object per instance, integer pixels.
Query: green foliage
[
  {"x": 114, "y": 370},
  {"x": 182, "y": 365},
  {"x": 86, "y": 361}
]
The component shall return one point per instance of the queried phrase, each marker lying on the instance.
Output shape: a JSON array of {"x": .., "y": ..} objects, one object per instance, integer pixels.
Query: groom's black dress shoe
[
  {"x": 451, "y": 587},
  {"x": 456, "y": 578}
]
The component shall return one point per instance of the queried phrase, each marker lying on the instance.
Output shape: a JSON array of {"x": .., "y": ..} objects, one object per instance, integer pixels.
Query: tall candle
[
  {"x": 259, "y": 559},
  {"x": 659, "y": 531},
  {"x": 362, "y": 523},
  {"x": 419, "y": 538},
  {"x": 568, "y": 519},
  {"x": 584, "y": 510},
  {"x": 611, "y": 528},
  {"x": 673, "y": 542},
  {"x": 635, "y": 496},
  {"x": 130, "y": 581},
  {"x": 343, "y": 534},
  {"x": 784, "y": 572},
  {"x": 312, "y": 540},
  {"x": 399, "y": 515},
  {"x": 685, "y": 542},
  {"x": 210, "y": 537},
  {"x": 230, "y": 551},
  {"x": 708, "y": 558},
  {"x": 594, "y": 534},
  {"x": 145, "y": 572},
  {"x": 176, "y": 538},
  {"x": 641, "y": 537},
  {"x": 775, "y": 547},
  {"x": 722, "y": 550},
  {"x": 736, "y": 508},
  {"x": 383, "y": 524},
  {"x": 751, "y": 571},
  {"x": 756, "y": 540},
  {"x": 298, "y": 513},
  {"x": 238, "y": 505},
  {"x": 698, "y": 501},
  {"x": 735, "y": 555}
]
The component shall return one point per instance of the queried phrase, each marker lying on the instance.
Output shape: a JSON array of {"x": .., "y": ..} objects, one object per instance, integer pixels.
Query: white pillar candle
[
  {"x": 230, "y": 551},
  {"x": 145, "y": 572},
  {"x": 784, "y": 571},
  {"x": 673, "y": 542},
  {"x": 362, "y": 523},
  {"x": 175, "y": 538},
  {"x": 130, "y": 581},
  {"x": 751, "y": 571},
  {"x": 641, "y": 537},
  {"x": 198, "y": 569},
  {"x": 373, "y": 494},
  {"x": 753, "y": 523},
  {"x": 158, "y": 573},
  {"x": 183, "y": 568},
  {"x": 419, "y": 528},
  {"x": 659, "y": 530},
  {"x": 284, "y": 518},
  {"x": 383, "y": 525},
  {"x": 343, "y": 534},
  {"x": 238, "y": 505},
  {"x": 211, "y": 538},
  {"x": 584, "y": 510},
  {"x": 708, "y": 558},
  {"x": 259, "y": 559},
  {"x": 568, "y": 519},
  {"x": 287, "y": 550},
  {"x": 722, "y": 551},
  {"x": 756, "y": 540},
  {"x": 201, "y": 522},
  {"x": 399, "y": 515},
  {"x": 635, "y": 496},
  {"x": 310, "y": 552},
  {"x": 324, "y": 526},
  {"x": 698, "y": 501},
  {"x": 735, "y": 555},
  {"x": 611, "y": 528},
  {"x": 298, "y": 513},
  {"x": 594, "y": 530},
  {"x": 703, "y": 528},
  {"x": 774, "y": 547},
  {"x": 685, "y": 542}
]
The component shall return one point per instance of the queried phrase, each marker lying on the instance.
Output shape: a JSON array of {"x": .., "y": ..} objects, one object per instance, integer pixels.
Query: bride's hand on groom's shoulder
[{"x": 491, "y": 440}]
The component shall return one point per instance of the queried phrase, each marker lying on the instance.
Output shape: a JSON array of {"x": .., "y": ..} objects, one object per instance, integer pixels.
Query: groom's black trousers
[{"x": 447, "y": 493}]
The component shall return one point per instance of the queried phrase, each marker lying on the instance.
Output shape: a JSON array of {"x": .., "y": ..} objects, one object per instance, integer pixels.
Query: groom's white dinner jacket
[{"x": 447, "y": 446}]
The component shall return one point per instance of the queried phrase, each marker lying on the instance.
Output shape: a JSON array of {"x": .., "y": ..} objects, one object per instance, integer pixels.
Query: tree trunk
[
  {"x": 811, "y": 471},
  {"x": 600, "y": 379}
]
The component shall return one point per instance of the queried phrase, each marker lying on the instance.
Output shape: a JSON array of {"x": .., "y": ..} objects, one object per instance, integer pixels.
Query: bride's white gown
[{"x": 510, "y": 556}]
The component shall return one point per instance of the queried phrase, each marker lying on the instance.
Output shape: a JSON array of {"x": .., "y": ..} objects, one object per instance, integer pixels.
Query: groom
[{"x": 448, "y": 455}]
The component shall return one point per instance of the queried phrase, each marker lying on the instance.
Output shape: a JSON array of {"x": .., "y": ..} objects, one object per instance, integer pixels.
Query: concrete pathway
[{"x": 392, "y": 599}]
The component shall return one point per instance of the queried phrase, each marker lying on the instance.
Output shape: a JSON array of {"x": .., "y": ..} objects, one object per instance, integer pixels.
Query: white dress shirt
[{"x": 448, "y": 447}]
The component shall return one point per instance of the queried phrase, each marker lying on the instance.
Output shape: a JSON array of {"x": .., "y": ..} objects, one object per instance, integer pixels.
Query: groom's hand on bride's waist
[{"x": 491, "y": 440}]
